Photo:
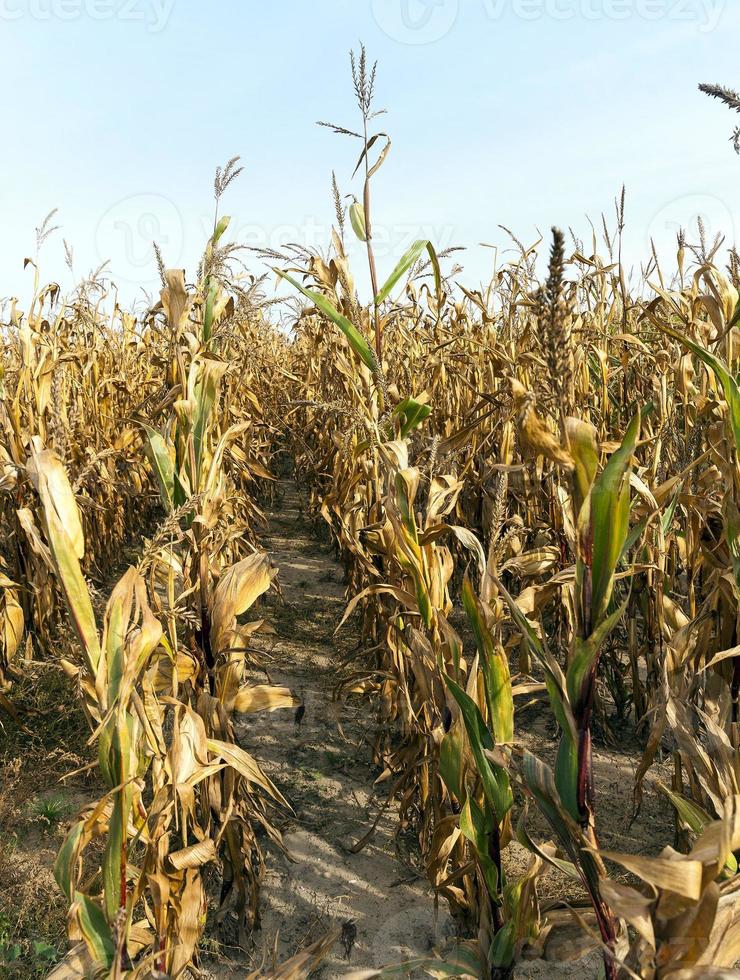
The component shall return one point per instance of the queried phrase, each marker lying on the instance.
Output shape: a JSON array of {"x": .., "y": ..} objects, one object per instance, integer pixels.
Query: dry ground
[{"x": 323, "y": 766}]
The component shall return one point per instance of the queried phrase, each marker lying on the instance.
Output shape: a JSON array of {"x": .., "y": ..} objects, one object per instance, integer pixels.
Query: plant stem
[{"x": 370, "y": 253}]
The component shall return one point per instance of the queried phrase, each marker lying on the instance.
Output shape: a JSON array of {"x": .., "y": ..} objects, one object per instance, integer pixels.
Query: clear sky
[{"x": 525, "y": 113}]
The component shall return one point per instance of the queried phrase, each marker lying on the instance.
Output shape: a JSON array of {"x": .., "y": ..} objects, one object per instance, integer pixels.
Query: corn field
[{"x": 533, "y": 491}]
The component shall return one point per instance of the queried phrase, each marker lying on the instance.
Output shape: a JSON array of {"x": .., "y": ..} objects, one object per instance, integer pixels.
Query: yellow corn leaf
[
  {"x": 176, "y": 301},
  {"x": 246, "y": 765},
  {"x": 49, "y": 477},
  {"x": 240, "y": 585},
  {"x": 630, "y": 905},
  {"x": 673, "y": 872},
  {"x": 264, "y": 697},
  {"x": 194, "y": 856}
]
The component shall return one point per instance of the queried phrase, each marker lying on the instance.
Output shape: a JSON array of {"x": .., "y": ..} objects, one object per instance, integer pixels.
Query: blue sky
[{"x": 525, "y": 113}]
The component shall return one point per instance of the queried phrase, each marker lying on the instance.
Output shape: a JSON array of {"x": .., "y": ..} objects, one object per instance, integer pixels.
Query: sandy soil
[{"x": 324, "y": 767}]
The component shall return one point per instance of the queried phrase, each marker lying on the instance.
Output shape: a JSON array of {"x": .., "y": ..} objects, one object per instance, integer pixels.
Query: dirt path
[{"x": 324, "y": 767}]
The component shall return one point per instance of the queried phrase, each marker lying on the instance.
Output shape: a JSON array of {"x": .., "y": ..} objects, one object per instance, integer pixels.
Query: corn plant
[{"x": 157, "y": 815}]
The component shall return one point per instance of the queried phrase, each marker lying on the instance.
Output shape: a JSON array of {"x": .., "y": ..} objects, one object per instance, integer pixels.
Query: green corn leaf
[
  {"x": 540, "y": 781},
  {"x": 635, "y": 532},
  {"x": 105, "y": 740},
  {"x": 522, "y": 835},
  {"x": 115, "y": 646},
  {"x": 566, "y": 773},
  {"x": 665, "y": 522},
  {"x": 358, "y": 343},
  {"x": 161, "y": 461},
  {"x": 604, "y": 521},
  {"x": 405, "y": 505},
  {"x": 208, "y": 314},
  {"x": 584, "y": 449},
  {"x": 95, "y": 930},
  {"x": 411, "y": 413},
  {"x": 494, "y": 779},
  {"x": 407, "y": 261},
  {"x": 495, "y": 666},
  {"x": 113, "y": 767},
  {"x": 694, "y": 816},
  {"x": 477, "y": 826},
  {"x": 220, "y": 229},
  {"x": 113, "y": 858},
  {"x": 502, "y": 953},
  {"x": 113, "y": 862},
  {"x": 205, "y": 378},
  {"x": 423, "y": 601},
  {"x": 554, "y": 677},
  {"x": 357, "y": 220},
  {"x": 729, "y": 385},
  {"x": 671, "y": 510},
  {"x": 66, "y": 860},
  {"x": 586, "y": 652},
  {"x": 736, "y": 315}
]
